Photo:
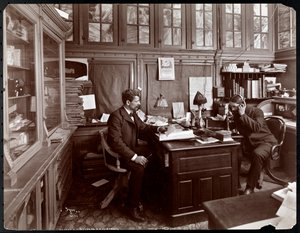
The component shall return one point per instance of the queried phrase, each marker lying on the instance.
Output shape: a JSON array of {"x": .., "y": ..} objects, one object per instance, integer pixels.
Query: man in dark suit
[
  {"x": 124, "y": 130},
  {"x": 258, "y": 139}
]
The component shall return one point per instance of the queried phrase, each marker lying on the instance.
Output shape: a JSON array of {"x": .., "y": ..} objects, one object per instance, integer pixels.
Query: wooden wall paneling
[{"x": 174, "y": 91}]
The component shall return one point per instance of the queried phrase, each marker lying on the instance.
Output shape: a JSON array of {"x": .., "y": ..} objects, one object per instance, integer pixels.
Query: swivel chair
[{"x": 122, "y": 178}]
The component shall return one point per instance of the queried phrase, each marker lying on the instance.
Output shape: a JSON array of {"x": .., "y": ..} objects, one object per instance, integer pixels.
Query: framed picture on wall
[{"x": 166, "y": 69}]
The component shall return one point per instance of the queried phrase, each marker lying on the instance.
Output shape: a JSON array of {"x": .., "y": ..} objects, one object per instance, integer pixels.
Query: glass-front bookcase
[
  {"x": 33, "y": 80},
  {"x": 52, "y": 81},
  {"x": 21, "y": 117}
]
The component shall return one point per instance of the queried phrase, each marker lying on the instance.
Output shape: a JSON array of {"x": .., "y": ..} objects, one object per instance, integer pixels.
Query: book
[{"x": 223, "y": 135}]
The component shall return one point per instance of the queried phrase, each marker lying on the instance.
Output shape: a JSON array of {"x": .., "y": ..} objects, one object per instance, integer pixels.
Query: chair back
[
  {"x": 277, "y": 127},
  {"x": 107, "y": 151}
]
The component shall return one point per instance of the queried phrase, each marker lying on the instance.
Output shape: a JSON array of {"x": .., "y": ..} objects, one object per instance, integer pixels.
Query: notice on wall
[
  {"x": 88, "y": 101},
  {"x": 205, "y": 86},
  {"x": 166, "y": 69}
]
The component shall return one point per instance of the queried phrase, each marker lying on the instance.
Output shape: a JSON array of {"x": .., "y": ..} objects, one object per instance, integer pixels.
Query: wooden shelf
[
  {"x": 12, "y": 67},
  {"x": 15, "y": 39},
  {"x": 19, "y": 97}
]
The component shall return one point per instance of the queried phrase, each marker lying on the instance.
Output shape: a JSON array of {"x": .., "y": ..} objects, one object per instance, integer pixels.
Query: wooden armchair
[{"x": 122, "y": 178}]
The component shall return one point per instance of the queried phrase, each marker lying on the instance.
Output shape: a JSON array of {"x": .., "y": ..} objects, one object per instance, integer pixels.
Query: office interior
[{"x": 64, "y": 69}]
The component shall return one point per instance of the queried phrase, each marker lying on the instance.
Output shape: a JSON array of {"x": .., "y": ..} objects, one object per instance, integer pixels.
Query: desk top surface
[
  {"x": 192, "y": 144},
  {"x": 234, "y": 211}
]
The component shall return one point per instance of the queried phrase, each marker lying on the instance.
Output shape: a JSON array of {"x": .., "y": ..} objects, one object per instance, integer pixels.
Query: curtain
[{"x": 109, "y": 81}]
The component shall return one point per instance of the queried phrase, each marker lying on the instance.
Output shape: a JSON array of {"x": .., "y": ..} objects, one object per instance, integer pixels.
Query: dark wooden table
[
  {"x": 234, "y": 211},
  {"x": 196, "y": 173}
]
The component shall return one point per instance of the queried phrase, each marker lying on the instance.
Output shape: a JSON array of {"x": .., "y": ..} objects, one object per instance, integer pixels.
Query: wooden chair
[
  {"x": 122, "y": 178},
  {"x": 278, "y": 128}
]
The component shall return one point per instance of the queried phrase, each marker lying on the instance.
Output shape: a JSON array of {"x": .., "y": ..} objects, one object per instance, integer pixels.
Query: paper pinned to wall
[
  {"x": 205, "y": 86},
  {"x": 178, "y": 110},
  {"x": 88, "y": 101}
]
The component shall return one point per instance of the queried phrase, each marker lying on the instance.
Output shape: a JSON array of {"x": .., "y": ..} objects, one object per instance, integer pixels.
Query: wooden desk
[
  {"x": 234, "y": 211},
  {"x": 196, "y": 173}
]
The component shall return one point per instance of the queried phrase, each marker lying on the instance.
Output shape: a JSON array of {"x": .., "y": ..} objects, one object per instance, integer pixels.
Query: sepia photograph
[{"x": 149, "y": 116}]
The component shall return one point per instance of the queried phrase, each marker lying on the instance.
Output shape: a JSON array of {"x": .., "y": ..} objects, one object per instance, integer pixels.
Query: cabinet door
[
  {"x": 22, "y": 137},
  {"x": 69, "y": 13},
  {"x": 137, "y": 25},
  {"x": 233, "y": 26},
  {"x": 203, "y": 26},
  {"x": 172, "y": 29},
  {"x": 52, "y": 80},
  {"x": 100, "y": 24}
]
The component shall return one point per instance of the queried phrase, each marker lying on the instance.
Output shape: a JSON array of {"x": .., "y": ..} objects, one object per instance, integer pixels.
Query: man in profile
[
  {"x": 124, "y": 130},
  {"x": 258, "y": 139}
]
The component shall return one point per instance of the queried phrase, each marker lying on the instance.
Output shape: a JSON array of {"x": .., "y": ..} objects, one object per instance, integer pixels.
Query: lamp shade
[{"x": 199, "y": 99}]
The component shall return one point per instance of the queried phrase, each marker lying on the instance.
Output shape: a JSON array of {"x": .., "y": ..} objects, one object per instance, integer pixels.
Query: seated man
[
  {"x": 124, "y": 130},
  {"x": 258, "y": 139}
]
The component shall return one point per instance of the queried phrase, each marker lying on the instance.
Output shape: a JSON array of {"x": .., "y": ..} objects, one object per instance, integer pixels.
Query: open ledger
[{"x": 176, "y": 132}]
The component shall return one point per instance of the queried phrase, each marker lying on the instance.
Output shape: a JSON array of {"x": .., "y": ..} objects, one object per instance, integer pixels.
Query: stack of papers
[
  {"x": 176, "y": 132},
  {"x": 288, "y": 208},
  {"x": 206, "y": 140},
  {"x": 59, "y": 135}
]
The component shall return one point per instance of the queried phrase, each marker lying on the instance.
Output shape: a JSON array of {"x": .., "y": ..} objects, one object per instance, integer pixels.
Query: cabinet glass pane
[
  {"x": 204, "y": 26},
  {"x": 21, "y": 86},
  {"x": 132, "y": 34},
  {"x": 52, "y": 85},
  {"x": 172, "y": 23},
  {"x": 100, "y": 26},
  {"x": 138, "y": 23},
  {"x": 260, "y": 26},
  {"x": 286, "y": 27},
  {"x": 233, "y": 26},
  {"x": 144, "y": 35}
]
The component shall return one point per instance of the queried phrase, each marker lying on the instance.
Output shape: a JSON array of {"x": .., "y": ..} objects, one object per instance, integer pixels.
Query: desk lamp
[{"x": 199, "y": 100}]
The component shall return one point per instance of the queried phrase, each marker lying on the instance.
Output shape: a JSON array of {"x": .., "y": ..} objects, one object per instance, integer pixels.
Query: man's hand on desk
[{"x": 162, "y": 129}]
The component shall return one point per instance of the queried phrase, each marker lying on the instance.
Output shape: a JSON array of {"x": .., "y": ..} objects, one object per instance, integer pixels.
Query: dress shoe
[
  {"x": 248, "y": 191},
  {"x": 135, "y": 215}
]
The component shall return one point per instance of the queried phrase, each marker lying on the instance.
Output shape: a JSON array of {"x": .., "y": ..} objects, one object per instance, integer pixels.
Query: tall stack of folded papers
[{"x": 74, "y": 104}]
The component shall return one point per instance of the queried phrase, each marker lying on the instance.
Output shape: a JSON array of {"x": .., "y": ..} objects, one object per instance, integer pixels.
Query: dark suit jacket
[
  {"x": 253, "y": 127},
  {"x": 123, "y": 132}
]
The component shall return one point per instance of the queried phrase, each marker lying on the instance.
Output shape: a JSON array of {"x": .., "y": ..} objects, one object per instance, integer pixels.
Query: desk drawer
[{"x": 205, "y": 162}]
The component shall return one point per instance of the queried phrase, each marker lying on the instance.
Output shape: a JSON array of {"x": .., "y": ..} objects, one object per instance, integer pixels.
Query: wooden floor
[{"x": 81, "y": 210}]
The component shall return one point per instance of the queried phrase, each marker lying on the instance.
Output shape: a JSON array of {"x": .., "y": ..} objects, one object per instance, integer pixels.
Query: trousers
[
  {"x": 137, "y": 172},
  {"x": 257, "y": 156}
]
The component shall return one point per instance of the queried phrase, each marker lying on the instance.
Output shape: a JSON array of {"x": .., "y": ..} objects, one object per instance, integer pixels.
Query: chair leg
[
  {"x": 119, "y": 183},
  {"x": 273, "y": 177}
]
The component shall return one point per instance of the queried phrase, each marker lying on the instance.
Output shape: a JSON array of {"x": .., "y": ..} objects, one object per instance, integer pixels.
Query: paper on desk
[
  {"x": 104, "y": 117},
  {"x": 287, "y": 211},
  {"x": 100, "y": 182},
  {"x": 257, "y": 224},
  {"x": 207, "y": 140}
]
